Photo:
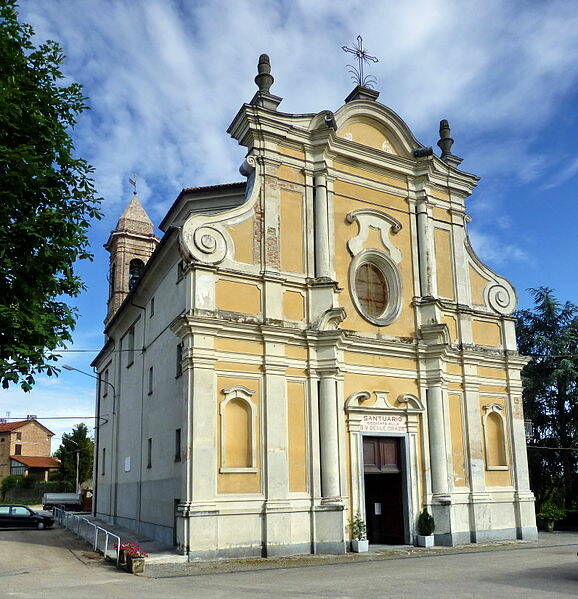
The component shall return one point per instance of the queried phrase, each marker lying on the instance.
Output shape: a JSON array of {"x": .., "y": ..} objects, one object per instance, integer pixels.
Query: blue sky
[{"x": 165, "y": 78}]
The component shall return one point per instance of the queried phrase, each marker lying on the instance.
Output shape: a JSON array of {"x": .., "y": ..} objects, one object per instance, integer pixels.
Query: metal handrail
[{"x": 75, "y": 523}]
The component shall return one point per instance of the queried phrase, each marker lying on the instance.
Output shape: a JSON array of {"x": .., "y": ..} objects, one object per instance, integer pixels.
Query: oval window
[{"x": 371, "y": 289}]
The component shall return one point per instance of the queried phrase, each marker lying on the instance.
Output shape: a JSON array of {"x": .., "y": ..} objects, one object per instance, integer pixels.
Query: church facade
[{"x": 317, "y": 342}]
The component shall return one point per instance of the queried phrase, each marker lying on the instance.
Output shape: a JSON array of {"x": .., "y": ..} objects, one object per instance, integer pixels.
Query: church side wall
[{"x": 130, "y": 493}]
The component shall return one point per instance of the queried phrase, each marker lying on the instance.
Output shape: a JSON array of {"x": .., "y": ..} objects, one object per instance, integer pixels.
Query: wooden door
[{"x": 383, "y": 490}]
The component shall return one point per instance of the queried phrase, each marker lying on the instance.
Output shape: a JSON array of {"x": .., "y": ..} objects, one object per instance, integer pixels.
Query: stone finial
[
  {"x": 264, "y": 81},
  {"x": 445, "y": 144},
  {"x": 445, "y": 141}
]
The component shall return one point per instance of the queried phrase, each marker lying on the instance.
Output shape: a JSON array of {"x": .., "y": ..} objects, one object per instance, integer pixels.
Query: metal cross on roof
[
  {"x": 362, "y": 56},
  {"x": 132, "y": 181}
]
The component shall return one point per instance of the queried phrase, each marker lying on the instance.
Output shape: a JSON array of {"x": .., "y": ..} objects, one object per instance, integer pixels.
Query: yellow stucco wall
[
  {"x": 477, "y": 286},
  {"x": 235, "y": 296},
  {"x": 491, "y": 373},
  {"x": 293, "y": 305},
  {"x": 238, "y": 346},
  {"x": 441, "y": 214},
  {"x": 486, "y": 333},
  {"x": 242, "y": 236},
  {"x": 290, "y": 151},
  {"x": 245, "y": 482},
  {"x": 456, "y": 425},
  {"x": 452, "y": 325},
  {"x": 379, "y": 360},
  {"x": 292, "y": 234},
  {"x": 297, "y": 449},
  {"x": 296, "y": 351},
  {"x": 290, "y": 173},
  {"x": 368, "y": 135},
  {"x": 444, "y": 263},
  {"x": 395, "y": 386},
  {"x": 361, "y": 197},
  {"x": 390, "y": 178}
]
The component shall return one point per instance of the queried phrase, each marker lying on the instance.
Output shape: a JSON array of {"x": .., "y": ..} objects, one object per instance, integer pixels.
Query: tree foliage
[
  {"x": 77, "y": 440},
  {"x": 47, "y": 198},
  {"x": 549, "y": 333}
]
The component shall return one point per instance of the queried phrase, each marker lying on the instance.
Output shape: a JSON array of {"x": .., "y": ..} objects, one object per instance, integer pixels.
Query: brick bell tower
[{"x": 131, "y": 244}]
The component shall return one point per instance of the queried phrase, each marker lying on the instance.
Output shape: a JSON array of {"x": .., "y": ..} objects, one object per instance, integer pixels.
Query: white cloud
[
  {"x": 166, "y": 77},
  {"x": 490, "y": 248}
]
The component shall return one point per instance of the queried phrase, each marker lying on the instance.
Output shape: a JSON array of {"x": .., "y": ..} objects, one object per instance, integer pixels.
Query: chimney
[{"x": 31, "y": 417}]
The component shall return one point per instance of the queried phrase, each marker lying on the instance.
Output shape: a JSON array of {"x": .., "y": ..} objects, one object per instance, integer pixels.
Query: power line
[
  {"x": 51, "y": 418},
  {"x": 554, "y": 448}
]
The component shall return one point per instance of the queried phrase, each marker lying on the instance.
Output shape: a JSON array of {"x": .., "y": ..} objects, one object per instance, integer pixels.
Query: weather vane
[
  {"x": 362, "y": 56},
  {"x": 132, "y": 181}
]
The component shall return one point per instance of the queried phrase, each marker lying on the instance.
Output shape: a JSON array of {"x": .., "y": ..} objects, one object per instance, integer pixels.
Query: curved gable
[{"x": 376, "y": 126}]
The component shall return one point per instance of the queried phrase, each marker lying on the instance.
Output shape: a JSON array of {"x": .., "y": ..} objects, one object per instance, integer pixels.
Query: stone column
[
  {"x": 329, "y": 436},
  {"x": 322, "y": 266},
  {"x": 437, "y": 440}
]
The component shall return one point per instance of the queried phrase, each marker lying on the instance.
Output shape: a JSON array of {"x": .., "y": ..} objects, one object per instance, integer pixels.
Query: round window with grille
[{"x": 376, "y": 287}]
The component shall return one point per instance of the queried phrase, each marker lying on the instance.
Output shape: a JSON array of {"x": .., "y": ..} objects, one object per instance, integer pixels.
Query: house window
[
  {"x": 150, "y": 454},
  {"x": 18, "y": 450},
  {"x": 105, "y": 386},
  {"x": 178, "y": 445},
  {"x": 130, "y": 347},
  {"x": 151, "y": 380},
  {"x": 17, "y": 468},
  {"x": 152, "y": 310},
  {"x": 135, "y": 271},
  {"x": 179, "y": 359},
  {"x": 18, "y": 436},
  {"x": 103, "y": 465}
]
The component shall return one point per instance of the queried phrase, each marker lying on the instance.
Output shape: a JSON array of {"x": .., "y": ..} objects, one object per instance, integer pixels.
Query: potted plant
[
  {"x": 548, "y": 515},
  {"x": 359, "y": 542},
  {"x": 135, "y": 562},
  {"x": 425, "y": 527},
  {"x": 122, "y": 549}
]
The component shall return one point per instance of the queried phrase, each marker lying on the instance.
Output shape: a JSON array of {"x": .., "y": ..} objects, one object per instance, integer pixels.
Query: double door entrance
[{"x": 384, "y": 490}]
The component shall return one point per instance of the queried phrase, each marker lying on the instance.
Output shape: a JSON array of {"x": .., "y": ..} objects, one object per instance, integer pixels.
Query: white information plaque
[{"x": 383, "y": 423}]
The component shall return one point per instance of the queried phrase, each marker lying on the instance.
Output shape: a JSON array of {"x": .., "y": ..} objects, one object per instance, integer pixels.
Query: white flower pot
[
  {"x": 425, "y": 541},
  {"x": 360, "y": 545}
]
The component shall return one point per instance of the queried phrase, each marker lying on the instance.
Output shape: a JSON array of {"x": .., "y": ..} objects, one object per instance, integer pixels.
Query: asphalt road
[{"x": 54, "y": 564}]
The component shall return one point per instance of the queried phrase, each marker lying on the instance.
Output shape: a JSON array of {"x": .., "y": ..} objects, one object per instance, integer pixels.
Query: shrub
[
  {"x": 8, "y": 483},
  {"x": 551, "y": 513},
  {"x": 426, "y": 524},
  {"x": 358, "y": 527}
]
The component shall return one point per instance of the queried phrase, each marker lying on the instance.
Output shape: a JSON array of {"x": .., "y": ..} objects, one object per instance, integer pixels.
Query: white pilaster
[
  {"x": 322, "y": 242},
  {"x": 329, "y": 436}
]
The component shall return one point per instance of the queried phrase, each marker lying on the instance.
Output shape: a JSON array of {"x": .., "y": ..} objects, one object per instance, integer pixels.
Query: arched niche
[
  {"x": 495, "y": 439},
  {"x": 238, "y": 416}
]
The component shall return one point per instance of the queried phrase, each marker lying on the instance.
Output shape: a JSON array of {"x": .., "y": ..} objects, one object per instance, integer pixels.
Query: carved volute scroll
[{"x": 203, "y": 237}]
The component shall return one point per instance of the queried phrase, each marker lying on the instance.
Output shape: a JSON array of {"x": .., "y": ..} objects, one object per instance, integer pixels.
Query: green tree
[
  {"x": 77, "y": 440},
  {"x": 549, "y": 334},
  {"x": 47, "y": 198}
]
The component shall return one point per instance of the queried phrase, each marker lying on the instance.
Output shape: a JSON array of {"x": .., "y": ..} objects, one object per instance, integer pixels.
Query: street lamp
[
  {"x": 99, "y": 379},
  {"x": 77, "y": 451}
]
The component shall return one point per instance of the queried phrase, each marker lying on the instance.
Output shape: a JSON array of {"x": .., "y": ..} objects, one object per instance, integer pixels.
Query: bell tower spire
[{"x": 130, "y": 244}]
